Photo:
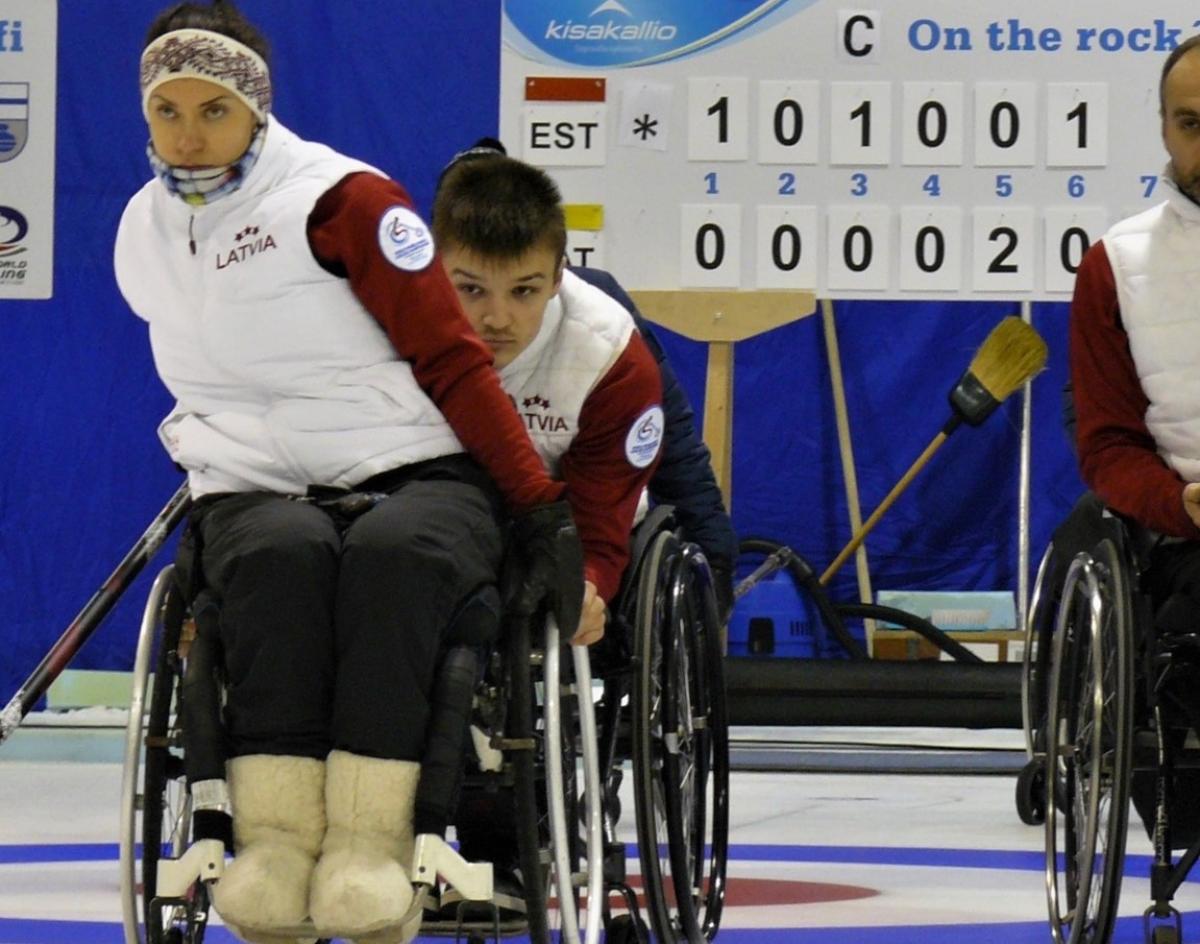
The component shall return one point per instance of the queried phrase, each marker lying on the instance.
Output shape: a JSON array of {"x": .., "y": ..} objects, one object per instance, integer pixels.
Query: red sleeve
[
  {"x": 1117, "y": 455},
  {"x": 603, "y": 487},
  {"x": 421, "y": 315}
]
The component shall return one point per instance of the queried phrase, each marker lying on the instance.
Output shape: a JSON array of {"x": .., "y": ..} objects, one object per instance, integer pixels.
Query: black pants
[
  {"x": 332, "y": 629},
  {"x": 1173, "y": 582}
]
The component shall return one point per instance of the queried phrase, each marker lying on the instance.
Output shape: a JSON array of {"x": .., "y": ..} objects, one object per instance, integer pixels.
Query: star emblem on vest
[
  {"x": 535, "y": 412},
  {"x": 249, "y": 244}
]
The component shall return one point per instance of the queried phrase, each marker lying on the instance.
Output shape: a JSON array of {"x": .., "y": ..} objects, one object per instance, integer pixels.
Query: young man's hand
[
  {"x": 548, "y": 564},
  {"x": 592, "y": 618},
  {"x": 1191, "y": 502}
]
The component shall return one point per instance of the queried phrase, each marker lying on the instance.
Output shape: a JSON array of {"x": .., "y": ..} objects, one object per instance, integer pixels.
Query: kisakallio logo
[{"x": 616, "y": 33}]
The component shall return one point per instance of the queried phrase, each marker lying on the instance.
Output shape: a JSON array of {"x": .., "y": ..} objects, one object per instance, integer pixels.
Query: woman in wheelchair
[{"x": 352, "y": 460}]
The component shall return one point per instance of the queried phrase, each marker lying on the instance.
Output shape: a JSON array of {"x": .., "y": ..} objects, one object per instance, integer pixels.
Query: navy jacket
[{"x": 684, "y": 477}]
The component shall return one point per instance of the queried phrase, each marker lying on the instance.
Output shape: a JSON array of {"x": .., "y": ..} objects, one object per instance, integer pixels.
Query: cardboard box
[{"x": 961, "y": 611}]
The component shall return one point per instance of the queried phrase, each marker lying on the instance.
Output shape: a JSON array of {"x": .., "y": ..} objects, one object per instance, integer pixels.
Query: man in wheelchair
[
  {"x": 575, "y": 356},
  {"x": 1134, "y": 350},
  {"x": 506, "y": 219}
]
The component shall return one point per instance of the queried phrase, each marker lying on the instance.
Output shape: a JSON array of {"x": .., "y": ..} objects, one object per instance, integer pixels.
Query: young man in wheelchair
[
  {"x": 1134, "y": 351},
  {"x": 481, "y": 192},
  {"x": 586, "y": 400}
]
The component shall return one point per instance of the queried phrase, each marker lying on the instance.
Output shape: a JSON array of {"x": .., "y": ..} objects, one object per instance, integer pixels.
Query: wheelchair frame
[
  {"x": 685, "y": 740},
  {"x": 1090, "y": 723}
]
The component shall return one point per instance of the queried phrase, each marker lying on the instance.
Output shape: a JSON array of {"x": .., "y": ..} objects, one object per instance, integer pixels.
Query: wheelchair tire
[
  {"x": 1035, "y": 662},
  {"x": 163, "y": 800},
  {"x": 680, "y": 745},
  {"x": 519, "y": 731},
  {"x": 1089, "y": 731},
  {"x": 1031, "y": 793}
]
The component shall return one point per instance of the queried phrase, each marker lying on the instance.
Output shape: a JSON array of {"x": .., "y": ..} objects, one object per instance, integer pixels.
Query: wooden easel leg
[
  {"x": 846, "y": 448},
  {"x": 718, "y": 415}
]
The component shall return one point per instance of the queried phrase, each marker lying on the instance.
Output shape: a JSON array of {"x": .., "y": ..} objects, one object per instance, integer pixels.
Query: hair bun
[{"x": 485, "y": 144}]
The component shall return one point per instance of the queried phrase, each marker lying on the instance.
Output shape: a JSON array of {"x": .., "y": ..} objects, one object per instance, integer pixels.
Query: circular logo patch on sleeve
[
  {"x": 644, "y": 438},
  {"x": 405, "y": 240}
]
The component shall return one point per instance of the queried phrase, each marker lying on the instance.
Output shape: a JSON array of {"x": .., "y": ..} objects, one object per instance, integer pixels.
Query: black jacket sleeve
[{"x": 684, "y": 477}]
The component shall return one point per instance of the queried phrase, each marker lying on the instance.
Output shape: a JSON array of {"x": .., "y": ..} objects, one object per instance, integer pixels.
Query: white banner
[
  {"x": 916, "y": 149},
  {"x": 28, "y": 53}
]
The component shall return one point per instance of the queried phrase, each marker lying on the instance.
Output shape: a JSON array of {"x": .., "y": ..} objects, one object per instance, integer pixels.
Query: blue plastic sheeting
[{"x": 403, "y": 86}]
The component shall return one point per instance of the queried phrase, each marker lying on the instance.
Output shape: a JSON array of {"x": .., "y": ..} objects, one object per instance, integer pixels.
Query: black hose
[
  {"x": 910, "y": 621},
  {"x": 832, "y": 613}
]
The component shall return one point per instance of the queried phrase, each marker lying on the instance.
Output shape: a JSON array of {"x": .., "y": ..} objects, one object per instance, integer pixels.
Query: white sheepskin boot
[
  {"x": 361, "y": 888},
  {"x": 278, "y": 825}
]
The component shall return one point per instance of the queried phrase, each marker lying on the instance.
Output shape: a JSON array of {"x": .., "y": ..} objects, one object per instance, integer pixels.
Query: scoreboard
[{"x": 921, "y": 149}]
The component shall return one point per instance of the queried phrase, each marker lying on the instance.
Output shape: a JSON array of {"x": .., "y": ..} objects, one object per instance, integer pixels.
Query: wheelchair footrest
[
  {"x": 433, "y": 857},
  {"x": 204, "y": 861}
]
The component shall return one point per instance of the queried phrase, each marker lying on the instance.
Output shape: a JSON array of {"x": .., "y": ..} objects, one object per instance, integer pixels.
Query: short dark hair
[
  {"x": 499, "y": 207},
  {"x": 1176, "y": 54},
  {"x": 220, "y": 16}
]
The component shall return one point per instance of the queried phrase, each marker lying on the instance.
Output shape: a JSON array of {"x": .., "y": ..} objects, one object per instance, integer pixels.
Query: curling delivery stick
[{"x": 103, "y": 600}]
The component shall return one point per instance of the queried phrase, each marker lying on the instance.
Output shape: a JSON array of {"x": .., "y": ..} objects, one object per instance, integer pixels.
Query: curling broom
[{"x": 1010, "y": 355}]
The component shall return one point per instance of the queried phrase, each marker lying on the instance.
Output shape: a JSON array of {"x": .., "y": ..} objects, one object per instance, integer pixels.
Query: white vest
[
  {"x": 1155, "y": 259},
  {"x": 583, "y": 332},
  {"x": 282, "y": 379}
]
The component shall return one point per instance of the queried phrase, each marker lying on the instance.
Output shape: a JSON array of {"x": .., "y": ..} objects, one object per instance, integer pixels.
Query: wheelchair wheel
[
  {"x": 549, "y": 791},
  {"x": 163, "y": 800},
  {"x": 1089, "y": 729},
  {"x": 1039, "y": 626},
  {"x": 680, "y": 745}
]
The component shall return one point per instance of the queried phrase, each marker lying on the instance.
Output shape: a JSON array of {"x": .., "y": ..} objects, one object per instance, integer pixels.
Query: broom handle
[
  {"x": 906, "y": 479},
  {"x": 96, "y": 608}
]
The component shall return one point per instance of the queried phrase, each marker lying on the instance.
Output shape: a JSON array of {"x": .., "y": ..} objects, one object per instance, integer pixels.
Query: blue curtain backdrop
[{"x": 404, "y": 85}]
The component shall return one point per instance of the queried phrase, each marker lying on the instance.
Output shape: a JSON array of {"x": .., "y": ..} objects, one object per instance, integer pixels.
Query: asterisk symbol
[{"x": 645, "y": 126}]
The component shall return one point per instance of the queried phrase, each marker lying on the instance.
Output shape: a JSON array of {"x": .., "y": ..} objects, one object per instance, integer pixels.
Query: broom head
[{"x": 1008, "y": 357}]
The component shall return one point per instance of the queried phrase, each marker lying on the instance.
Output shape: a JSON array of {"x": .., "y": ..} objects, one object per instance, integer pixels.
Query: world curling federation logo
[
  {"x": 13, "y": 228},
  {"x": 14, "y": 119}
]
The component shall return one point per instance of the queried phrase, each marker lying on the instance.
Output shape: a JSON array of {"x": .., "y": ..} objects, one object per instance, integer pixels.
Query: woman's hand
[{"x": 591, "y": 620}]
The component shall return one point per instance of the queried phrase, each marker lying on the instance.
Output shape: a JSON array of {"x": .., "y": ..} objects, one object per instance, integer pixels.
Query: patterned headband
[{"x": 214, "y": 57}]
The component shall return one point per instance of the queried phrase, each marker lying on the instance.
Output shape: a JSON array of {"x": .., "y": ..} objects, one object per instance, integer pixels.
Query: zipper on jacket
[{"x": 191, "y": 237}]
